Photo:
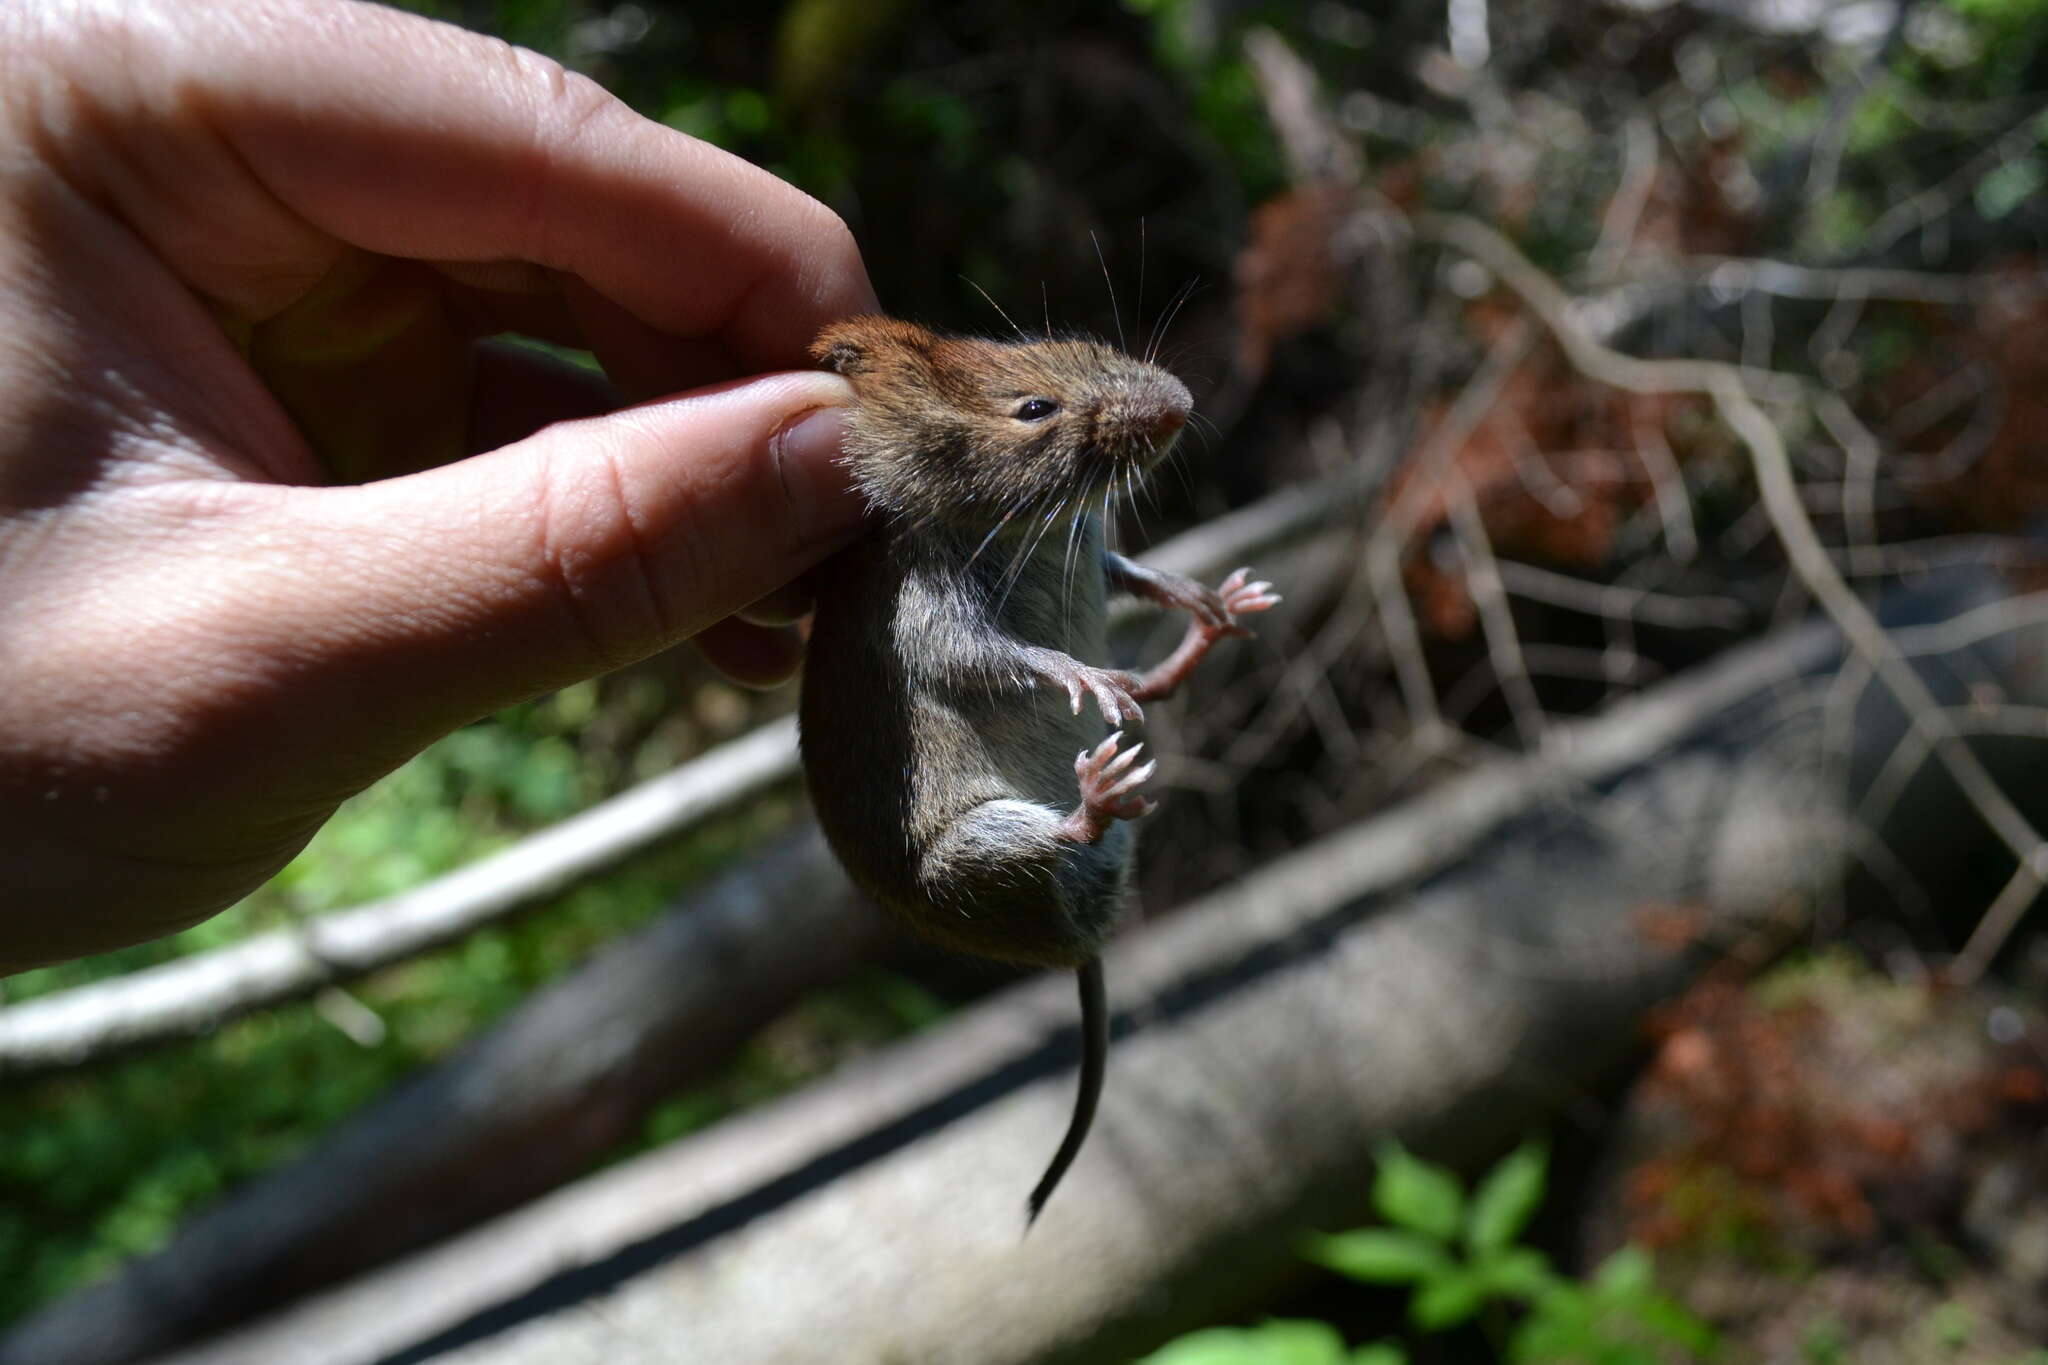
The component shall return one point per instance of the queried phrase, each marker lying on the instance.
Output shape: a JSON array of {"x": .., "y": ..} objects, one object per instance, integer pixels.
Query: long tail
[{"x": 1094, "y": 1063}]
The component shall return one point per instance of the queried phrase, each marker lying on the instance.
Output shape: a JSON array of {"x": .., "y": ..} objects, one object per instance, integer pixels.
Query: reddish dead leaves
[
  {"x": 1553, "y": 468},
  {"x": 1984, "y": 384},
  {"x": 1813, "y": 1117},
  {"x": 1289, "y": 274}
]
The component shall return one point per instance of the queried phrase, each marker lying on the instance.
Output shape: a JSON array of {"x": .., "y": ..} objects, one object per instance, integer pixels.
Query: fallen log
[
  {"x": 1451, "y": 971},
  {"x": 564, "y": 1081}
]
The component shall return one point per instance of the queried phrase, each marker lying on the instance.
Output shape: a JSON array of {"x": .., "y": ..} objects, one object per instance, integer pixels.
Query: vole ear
[
  {"x": 839, "y": 347},
  {"x": 853, "y": 346}
]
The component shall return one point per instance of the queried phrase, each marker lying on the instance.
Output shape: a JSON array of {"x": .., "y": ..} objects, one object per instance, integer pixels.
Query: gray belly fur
[{"x": 939, "y": 768}]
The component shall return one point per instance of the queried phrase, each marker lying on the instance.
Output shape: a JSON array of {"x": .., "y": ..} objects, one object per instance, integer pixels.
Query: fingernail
[{"x": 806, "y": 453}]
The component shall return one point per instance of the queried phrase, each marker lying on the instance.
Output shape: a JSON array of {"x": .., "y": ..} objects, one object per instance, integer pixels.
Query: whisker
[
  {"x": 1110, "y": 498},
  {"x": 998, "y": 307},
  {"x": 1111, "y": 286},
  {"x": 1029, "y": 544},
  {"x": 1073, "y": 551},
  {"x": 1193, "y": 287},
  {"x": 1009, "y": 514},
  {"x": 1166, "y": 316},
  {"x": 1017, "y": 566},
  {"x": 1142, "y": 492},
  {"x": 1174, "y": 462},
  {"x": 1138, "y": 312}
]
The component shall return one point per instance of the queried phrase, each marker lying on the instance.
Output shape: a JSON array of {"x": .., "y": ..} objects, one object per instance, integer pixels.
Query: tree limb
[{"x": 1267, "y": 1036}]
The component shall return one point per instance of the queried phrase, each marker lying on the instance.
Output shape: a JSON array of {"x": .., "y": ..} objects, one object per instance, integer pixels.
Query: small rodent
[{"x": 942, "y": 766}]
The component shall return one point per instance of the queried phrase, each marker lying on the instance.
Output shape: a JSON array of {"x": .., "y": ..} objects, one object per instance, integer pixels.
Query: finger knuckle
[{"x": 595, "y": 560}]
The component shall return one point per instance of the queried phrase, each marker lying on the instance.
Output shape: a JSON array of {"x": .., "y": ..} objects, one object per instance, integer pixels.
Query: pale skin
[{"x": 269, "y": 521}]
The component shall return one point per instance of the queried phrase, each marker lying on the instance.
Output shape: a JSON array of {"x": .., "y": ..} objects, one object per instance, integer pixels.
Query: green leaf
[
  {"x": 1380, "y": 1256},
  {"x": 1624, "y": 1353},
  {"x": 1625, "y": 1274},
  {"x": 2010, "y": 184},
  {"x": 1506, "y": 1200},
  {"x": 1518, "y": 1273},
  {"x": 1282, "y": 1341},
  {"x": 1561, "y": 1328},
  {"x": 1415, "y": 1194},
  {"x": 1672, "y": 1321},
  {"x": 1446, "y": 1301},
  {"x": 1380, "y": 1353}
]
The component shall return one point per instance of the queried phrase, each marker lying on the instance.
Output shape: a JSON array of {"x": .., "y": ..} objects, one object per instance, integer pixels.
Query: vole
[{"x": 951, "y": 650}]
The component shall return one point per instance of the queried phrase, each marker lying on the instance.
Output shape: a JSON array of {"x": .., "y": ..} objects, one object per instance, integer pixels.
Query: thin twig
[
  {"x": 1731, "y": 390},
  {"x": 1621, "y": 603},
  {"x": 1496, "y": 619},
  {"x": 1388, "y": 545}
]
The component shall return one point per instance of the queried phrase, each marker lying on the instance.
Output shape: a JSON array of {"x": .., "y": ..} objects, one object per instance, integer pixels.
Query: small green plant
[
  {"x": 1281, "y": 1341},
  {"x": 1462, "y": 1257}
]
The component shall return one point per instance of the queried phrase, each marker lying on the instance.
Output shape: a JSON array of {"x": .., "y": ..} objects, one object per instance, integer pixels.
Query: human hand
[{"x": 246, "y": 250}]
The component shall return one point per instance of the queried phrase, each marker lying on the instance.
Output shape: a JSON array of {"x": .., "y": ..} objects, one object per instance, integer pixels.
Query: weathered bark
[{"x": 1266, "y": 1037}]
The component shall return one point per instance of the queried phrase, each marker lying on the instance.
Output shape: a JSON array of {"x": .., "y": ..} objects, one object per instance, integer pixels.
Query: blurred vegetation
[
  {"x": 98, "y": 1166},
  {"x": 1075, "y": 161},
  {"x": 1463, "y": 1260}
]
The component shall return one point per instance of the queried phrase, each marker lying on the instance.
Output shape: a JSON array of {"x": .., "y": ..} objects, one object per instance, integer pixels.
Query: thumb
[
  {"x": 583, "y": 547},
  {"x": 238, "y": 657}
]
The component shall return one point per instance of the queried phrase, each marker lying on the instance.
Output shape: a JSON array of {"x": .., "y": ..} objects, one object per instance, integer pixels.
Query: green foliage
[
  {"x": 1416, "y": 1195},
  {"x": 2003, "y": 11},
  {"x": 1210, "y": 63},
  {"x": 99, "y": 1166},
  {"x": 1278, "y": 1342},
  {"x": 2010, "y": 184},
  {"x": 1461, "y": 1257},
  {"x": 1506, "y": 1200}
]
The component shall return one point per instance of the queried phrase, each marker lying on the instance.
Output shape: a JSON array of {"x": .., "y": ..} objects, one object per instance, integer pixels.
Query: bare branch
[
  {"x": 1620, "y": 602},
  {"x": 1731, "y": 388}
]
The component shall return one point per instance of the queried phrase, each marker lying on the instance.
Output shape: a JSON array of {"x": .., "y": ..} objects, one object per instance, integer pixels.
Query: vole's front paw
[
  {"x": 1235, "y": 597},
  {"x": 1109, "y": 789},
  {"x": 1110, "y": 688}
]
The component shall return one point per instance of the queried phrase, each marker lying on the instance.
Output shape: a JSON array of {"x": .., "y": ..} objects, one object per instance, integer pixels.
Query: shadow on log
[
  {"x": 1454, "y": 971},
  {"x": 564, "y": 1080}
]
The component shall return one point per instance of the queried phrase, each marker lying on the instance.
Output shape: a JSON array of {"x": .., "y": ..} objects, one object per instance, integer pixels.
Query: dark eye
[{"x": 1035, "y": 409}]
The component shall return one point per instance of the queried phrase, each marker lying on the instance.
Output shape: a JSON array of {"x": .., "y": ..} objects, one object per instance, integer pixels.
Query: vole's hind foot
[
  {"x": 1110, "y": 687},
  {"x": 1108, "y": 790}
]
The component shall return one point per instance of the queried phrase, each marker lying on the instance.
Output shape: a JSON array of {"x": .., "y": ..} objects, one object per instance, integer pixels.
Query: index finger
[{"x": 365, "y": 126}]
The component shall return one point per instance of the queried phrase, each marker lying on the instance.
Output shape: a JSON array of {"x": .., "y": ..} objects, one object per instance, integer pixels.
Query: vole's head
[{"x": 967, "y": 432}]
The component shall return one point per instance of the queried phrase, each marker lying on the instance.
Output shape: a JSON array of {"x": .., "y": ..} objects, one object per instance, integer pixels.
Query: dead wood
[
  {"x": 568, "y": 1078},
  {"x": 1452, "y": 971}
]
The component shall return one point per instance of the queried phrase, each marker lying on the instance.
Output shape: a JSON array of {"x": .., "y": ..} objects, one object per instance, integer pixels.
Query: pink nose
[{"x": 1166, "y": 422}]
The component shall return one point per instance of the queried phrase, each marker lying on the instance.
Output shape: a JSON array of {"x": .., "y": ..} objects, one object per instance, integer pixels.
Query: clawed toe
[{"x": 1109, "y": 779}]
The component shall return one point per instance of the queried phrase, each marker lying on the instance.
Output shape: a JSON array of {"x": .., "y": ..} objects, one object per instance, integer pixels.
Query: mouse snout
[{"x": 1166, "y": 411}]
